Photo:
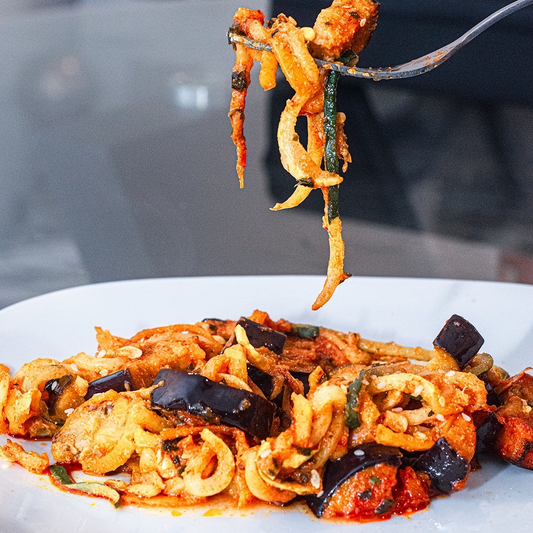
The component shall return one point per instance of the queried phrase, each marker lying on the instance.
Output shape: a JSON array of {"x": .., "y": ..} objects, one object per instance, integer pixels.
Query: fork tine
[{"x": 234, "y": 37}]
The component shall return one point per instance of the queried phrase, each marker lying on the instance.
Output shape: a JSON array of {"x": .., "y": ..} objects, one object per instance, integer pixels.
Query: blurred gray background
[{"x": 116, "y": 159}]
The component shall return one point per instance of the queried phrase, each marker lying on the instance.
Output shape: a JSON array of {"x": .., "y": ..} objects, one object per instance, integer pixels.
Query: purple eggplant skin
[
  {"x": 487, "y": 432},
  {"x": 339, "y": 471},
  {"x": 120, "y": 381},
  {"x": 266, "y": 383},
  {"x": 55, "y": 388},
  {"x": 460, "y": 339},
  {"x": 262, "y": 379},
  {"x": 303, "y": 377},
  {"x": 443, "y": 465},
  {"x": 260, "y": 335},
  {"x": 492, "y": 397},
  {"x": 201, "y": 396}
]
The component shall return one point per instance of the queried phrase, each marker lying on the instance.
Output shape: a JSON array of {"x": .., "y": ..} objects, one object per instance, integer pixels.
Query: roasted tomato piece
[
  {"x": 368, "y": 495},
  {"x": 411, "y": 493},
  {"x": 520, "y": 385},
  {"x": 345, "y": 25},
  {"x": 515, "y": 440}
]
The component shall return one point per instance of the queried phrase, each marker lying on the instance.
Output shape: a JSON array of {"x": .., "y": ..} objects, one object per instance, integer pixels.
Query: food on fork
[{"x": 340, "y": 32}]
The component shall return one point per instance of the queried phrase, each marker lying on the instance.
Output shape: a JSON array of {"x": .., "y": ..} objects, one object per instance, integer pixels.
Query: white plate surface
[{"x": 408, "y": 311}]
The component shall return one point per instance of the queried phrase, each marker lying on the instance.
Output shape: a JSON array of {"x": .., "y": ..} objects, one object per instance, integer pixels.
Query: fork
[{"x": 405, "y": 70}]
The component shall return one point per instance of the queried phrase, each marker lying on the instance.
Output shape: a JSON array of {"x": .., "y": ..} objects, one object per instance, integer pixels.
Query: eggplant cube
[
  {"x": 120, "y": 381},
  {"x": 260, "y": 335},
  {"x": 262, "y": 379},
  {"x": 460, "y": 339},
  {"x": 56, "y": 387},
  {"x": 487, "y": 432},
  {"x": 201, "y": 396},
  {"x": 443, "y": 465}
]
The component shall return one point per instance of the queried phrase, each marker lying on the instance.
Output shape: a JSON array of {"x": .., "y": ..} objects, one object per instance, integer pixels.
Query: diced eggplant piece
[
  {"x": 56, "y": 387},
  {"x": 262, "y": 379},
  {"x": 120, "y": 381},
  {"x": 266, "y": 383},
  {"x": 260, "y": 335},
  {"x": 201, "y": 396},
  {"x": 492, "y": 396},
  {"x": 514, "y": 443},
  {"x": 304, "y": 378},
  {"x": 443, "y": 465},
  {"x": 460, "y": 339},
  {"x": 488, "y": 428},
  {"x": 339, "y": 471}
]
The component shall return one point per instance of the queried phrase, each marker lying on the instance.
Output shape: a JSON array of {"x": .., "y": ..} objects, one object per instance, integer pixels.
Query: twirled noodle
[
  {"x": 301, "y": 192},
  {"x": 269, "y": 63},
  {"x": 392, "y": 399},
  {"x": 411, "y": 383},
  {"x": 393, "y": 349},
  {"x": 325, "y": 400},
  {"x": 294, "y": 157},
  {"x": 411, "y": 443},
  {"x": 302, "y": 420},
  {"x": 115, "y": 417},
  {"x": 199, "y": 486},
  {"x": 318, "y": 425},
  {"x": 261, "y": 360},
  {"x": 349, "y": 344},
  {"x": 231, "y": 361},
  {"x": 328, "y": 446},
  {"x": 261, "y": 490},
  {"x": 267, "y": 462},
  {"x": 185, "y": 331},
  {"x": 315, "y": 149}
]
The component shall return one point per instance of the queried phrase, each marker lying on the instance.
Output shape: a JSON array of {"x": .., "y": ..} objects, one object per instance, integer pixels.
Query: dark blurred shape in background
[
  {"x": 116, "y": 159},
  {"x": 449, "y": 151}
]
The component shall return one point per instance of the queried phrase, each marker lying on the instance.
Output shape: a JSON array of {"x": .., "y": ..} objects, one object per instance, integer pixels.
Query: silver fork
[{"x": 412, "y": 68}]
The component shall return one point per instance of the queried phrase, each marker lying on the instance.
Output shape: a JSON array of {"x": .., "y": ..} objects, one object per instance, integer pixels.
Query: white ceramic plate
[{"x": 409, "y": 311}]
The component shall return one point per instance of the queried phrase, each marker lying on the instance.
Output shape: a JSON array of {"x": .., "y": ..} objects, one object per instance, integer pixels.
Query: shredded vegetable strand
[{"x": 331, "y": 221}]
